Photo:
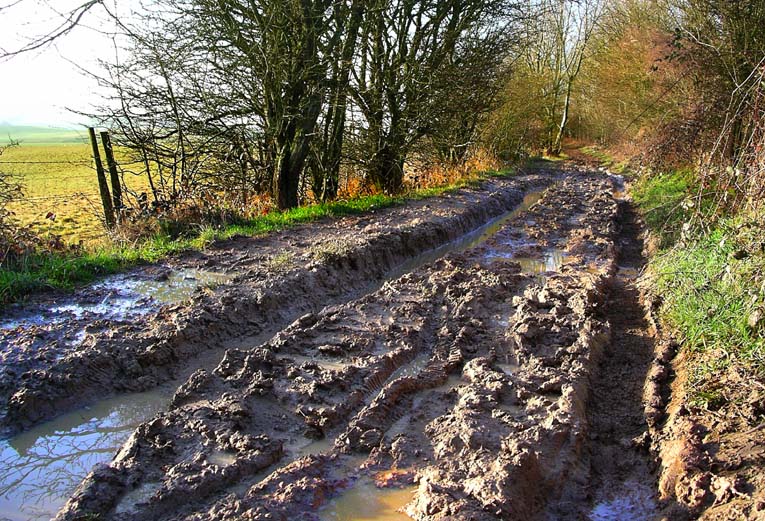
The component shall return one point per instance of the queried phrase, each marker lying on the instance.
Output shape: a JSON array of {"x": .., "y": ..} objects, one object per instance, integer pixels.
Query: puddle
[
  {"x": 628, "y": 272},
  {"x": 302, "y": 446},
  {"x": 221, "y": 458},
  {"x": 122, "y": 297},
  {"x": 43, "y": 466},
  {"x": 40, "y": 468},
  {"x": 551, "y": 260},
  {"x": 135, "y": 497},
  {"x": 469, "y": 240},
  {"x": 366, "y": 502},
  {"x": 634, "y": 502},
  {"x": 619, "y": 190}
]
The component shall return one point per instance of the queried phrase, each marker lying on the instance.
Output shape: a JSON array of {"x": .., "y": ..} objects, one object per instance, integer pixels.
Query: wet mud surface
[
  {"x": 463, "y": 389},
  {"x": 132, "y": 332}
]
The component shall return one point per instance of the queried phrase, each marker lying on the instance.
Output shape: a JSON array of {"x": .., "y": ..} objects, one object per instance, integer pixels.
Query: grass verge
[
  {"x": 48, "y": 271},
  {"x": 711, "y": 277}
]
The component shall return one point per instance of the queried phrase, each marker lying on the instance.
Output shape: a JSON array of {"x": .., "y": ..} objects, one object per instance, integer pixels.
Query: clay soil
[
  {"x": 520, "y": 376},
  {"x": 471, "y": 381},
  {"x": 49, "y": 367}
]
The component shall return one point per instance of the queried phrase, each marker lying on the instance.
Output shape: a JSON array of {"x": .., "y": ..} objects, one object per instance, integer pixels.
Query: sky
[{"x": 36, "y": 88}]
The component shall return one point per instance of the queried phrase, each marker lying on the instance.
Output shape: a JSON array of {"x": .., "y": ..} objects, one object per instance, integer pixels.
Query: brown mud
[
  {"x": 157, "y": 324},
  {"x": 480, "y": 386}
]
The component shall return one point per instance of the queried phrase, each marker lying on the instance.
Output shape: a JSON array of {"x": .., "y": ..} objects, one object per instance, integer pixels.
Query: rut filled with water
[
  {"x": 438, "y": 384},
  {"x": 46, "y": 463}
]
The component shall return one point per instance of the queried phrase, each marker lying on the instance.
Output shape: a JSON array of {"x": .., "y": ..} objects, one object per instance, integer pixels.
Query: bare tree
[
  {"x": 63, "y": 22},
  {"x": 407, "y": 49},
  {"x": 556, "y": 46}
]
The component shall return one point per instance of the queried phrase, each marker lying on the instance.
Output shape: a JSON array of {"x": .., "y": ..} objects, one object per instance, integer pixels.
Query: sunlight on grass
[
  {"x": 711, "y": 283},
  {"x": 56, "y": 271},
  {"x": 60, "y": 179}
]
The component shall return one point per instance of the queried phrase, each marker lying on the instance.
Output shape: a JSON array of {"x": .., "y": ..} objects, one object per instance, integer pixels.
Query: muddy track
[
  {"x": 466, "y": 382},
  {"x": 616, "y": 479},
  {"x": 273, "y": 281}
]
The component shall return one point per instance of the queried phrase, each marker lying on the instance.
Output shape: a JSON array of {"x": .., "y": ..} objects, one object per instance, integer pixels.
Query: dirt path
[
  {"x": 622, "y": 485},
  {"x": 84, "y": 347},
  {"x": 393, "y": 366},
  {"x": 457, "y": 391}
]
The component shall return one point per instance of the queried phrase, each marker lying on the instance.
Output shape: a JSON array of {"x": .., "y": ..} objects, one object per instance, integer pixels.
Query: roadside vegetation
[
  {"x": 65, "y": 267},
  {"x": 680, "y": 109}
]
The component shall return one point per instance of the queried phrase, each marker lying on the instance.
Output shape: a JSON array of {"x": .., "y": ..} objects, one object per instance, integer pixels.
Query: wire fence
[{"x": 59, "y": 195}]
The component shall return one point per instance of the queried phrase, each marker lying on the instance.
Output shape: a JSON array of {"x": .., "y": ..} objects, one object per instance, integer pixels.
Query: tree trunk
[
  {"x": 557, "y": 144},
  {"x": 330, "y": 163},
  {"x": 387, "y": 169},
  {"x": 293, "y": 147}
]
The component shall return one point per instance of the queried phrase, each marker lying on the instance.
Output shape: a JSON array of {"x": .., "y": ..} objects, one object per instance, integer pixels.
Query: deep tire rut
[{"x": 622, "y": 484}]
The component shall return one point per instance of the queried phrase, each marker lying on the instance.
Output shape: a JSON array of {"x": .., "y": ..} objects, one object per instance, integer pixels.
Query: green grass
[
  {"x": 67, "y": 271},
  {"x": 711, "y": 277},
  {"x": 660, "y": 198},
  {"x": 709, "y": 296},
  {"x": 606, "y": 159},
  {"x": 59, "y": 178}
]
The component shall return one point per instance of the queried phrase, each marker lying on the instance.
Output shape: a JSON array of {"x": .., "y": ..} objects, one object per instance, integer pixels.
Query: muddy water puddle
[
  {"x": 141, "y": 494},
  {"x": 630, "y": 502},
  {"x": 469, "y": 240},
  {"x": 364, "y": 501},
  {"x": 550, "y": 261},
  {"x": 301, "y": 446},
  {"x": 41, "y": 468},
  {"x": 120, "y": 297}
]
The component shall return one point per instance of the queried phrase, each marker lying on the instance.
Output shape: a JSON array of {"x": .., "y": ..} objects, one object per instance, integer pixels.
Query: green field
[
  {"x": 27, "y": 135},
  {"x": 58, "y": 177}
]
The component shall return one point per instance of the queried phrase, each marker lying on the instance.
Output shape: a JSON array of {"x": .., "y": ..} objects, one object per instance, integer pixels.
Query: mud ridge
[
  {"x": 50, "y": 376},
  {"x": 709, "y": 462},
  {"x": 467, "y": 380},
  {"x": 616, "y": 480}
]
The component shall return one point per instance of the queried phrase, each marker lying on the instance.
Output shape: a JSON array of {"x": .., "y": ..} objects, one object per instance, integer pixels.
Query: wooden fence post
[
  {"x": 115, "y": 178},
  {"x": 103, "y": 187}
]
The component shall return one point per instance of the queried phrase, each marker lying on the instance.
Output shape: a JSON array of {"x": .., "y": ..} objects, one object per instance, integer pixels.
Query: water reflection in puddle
[
  {"x": 551, "y": 260},
  {"x": 365, "y": 501},
  {"x": 40, "y": 468},
  {"x": 633, "y": 502},
  {"x": 123, "y": 297},
  {"x": 469, "y": 240}
]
